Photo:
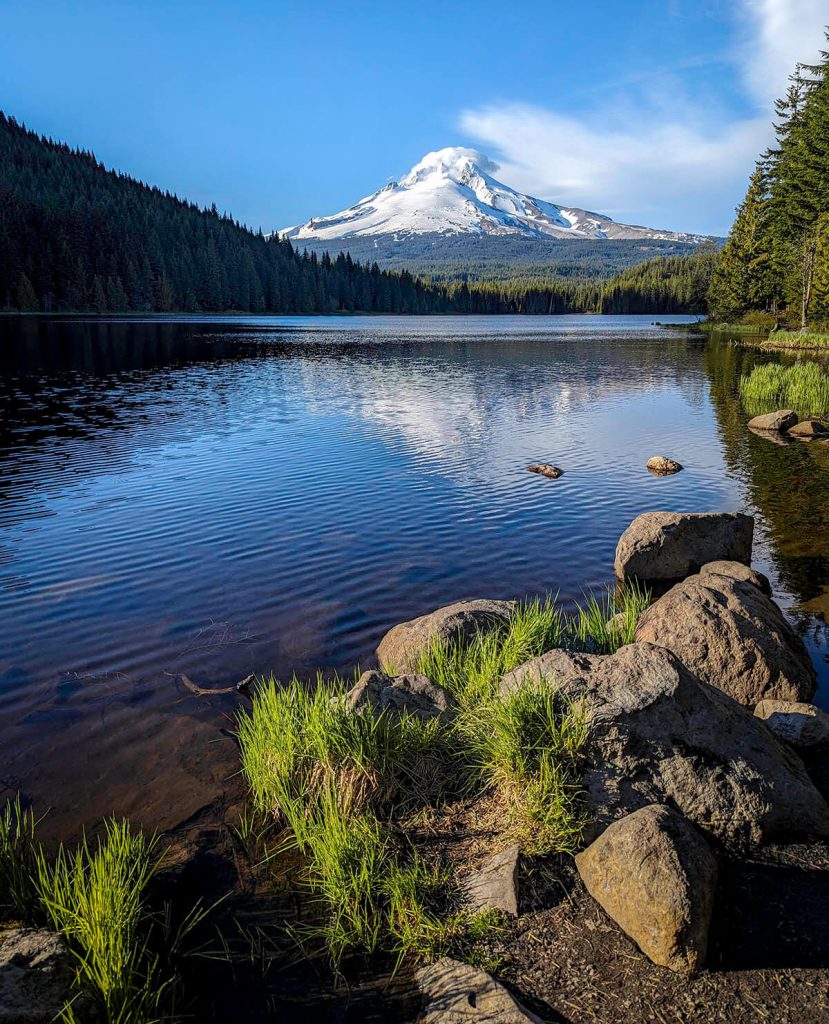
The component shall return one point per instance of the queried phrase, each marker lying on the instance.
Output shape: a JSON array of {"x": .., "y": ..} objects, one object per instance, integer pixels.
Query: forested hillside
[
  {"x": 75, "y": 236},
  {"x": 676, "y": 284},
  {"x": 468, "y": 257},
  {"x": 776, "y": 260}
]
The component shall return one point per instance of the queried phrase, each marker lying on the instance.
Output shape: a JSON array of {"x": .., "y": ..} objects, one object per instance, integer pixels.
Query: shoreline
[{"x": 436, "y": 779}]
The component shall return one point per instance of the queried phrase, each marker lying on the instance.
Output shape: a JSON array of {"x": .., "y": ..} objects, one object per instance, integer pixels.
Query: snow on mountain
[{"x": 452, "y": 191}]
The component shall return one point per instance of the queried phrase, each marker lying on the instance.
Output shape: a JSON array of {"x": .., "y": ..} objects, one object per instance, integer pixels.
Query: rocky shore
[{"x": 692, "y": 786}]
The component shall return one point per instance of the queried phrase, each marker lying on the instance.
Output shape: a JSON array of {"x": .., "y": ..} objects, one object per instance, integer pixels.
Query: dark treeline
[
  {"x": 75, "y": 236},
  {"x": 674, "y": 284},
  {"x": 776, "y": 260}
]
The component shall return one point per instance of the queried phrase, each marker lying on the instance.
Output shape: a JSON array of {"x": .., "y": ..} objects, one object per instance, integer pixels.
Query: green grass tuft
[
  {"x": 95, "y": 897},
  {"x": 527, "y": 746},
  {"x": 19, "y": 852},
  {"x": 803, "y": 386}
]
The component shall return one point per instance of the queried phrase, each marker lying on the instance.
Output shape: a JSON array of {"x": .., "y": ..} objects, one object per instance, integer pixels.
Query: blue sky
[{"x": 649, "y": 110}]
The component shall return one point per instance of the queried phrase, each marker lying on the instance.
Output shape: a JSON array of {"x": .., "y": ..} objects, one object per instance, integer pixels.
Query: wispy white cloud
[
  {"x": 776, "y": 35},
  {"x": 657, "y": 155}
]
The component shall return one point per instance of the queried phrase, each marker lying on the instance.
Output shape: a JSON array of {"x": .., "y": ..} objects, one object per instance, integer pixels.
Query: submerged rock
[
  {"x": 655, "y": 875},
  {"x": 546, "y": 469},
  {"x": 809, "y": 428},
  {"x": 782, "y": 419},
  {"x": 802, "y": 725},
  {"x": 732, "y": 636},
  {"x": 401, "y": 647},
  {"x": 671, "y": 545},
  {"x": 661, "y": 465},
  {"x": 414, "y": 694},
  {"x": 36, "y": 975},
  {"x": 455, "y": 993},
  {"x": 738, "y": 571},
  {"x": 494, "y": 886},
  {"x": 657, "y": 735}
]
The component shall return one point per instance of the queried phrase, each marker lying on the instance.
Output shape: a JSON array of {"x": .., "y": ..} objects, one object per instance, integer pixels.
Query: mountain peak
[
  {"x": 454, "y": 191},
  {"x": 453, "y": 162}
]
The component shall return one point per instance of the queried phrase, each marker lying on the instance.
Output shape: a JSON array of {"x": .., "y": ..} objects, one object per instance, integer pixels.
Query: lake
[{"x": 207, "y": 498}]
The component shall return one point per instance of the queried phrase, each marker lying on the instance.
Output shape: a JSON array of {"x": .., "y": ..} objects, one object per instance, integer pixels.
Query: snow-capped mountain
[{"x": 452, "y": 192}]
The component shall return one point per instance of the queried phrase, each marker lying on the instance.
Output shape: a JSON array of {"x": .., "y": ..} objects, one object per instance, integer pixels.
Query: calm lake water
[{"x": 212, "y": 498}]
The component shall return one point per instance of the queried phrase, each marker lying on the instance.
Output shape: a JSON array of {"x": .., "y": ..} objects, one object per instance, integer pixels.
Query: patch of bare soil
[
  {"x": 768, "y": 957},
  {"x": 563, "y": 957}
]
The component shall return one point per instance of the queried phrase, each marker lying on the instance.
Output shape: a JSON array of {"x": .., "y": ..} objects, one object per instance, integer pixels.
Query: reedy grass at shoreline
[
  {"x": 803, "y": 386},
  {"x": 96, "y": 897},
  {"x": 340, "y": 784}
]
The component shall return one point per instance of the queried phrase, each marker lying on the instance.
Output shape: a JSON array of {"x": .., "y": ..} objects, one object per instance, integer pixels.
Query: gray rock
[
  {"x": 455, "y": 993},
  {"x": 808, "y": 428},
  {"x": 36, "y": 975},
  {"x": 401, "y": 647},
  {"x": 738, "y": 571},
  {"x": 802, "y": 725},
  {"x": 414, "y": 694},
  {"x": 672, "y": 545},
  {"x": 658, "y": 735},
  {"x": 655, "y": 875},
  {"x": 661, "y": 465},
  {"x": 781, "y": 420},
  {"x": 730, "y": 635},
  {"x": 494, "y": 886}
]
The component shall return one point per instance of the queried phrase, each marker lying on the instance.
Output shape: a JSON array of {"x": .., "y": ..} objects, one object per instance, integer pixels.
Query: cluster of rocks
[
  {"x": 658, "y": 465},
  {"x": 690, "y": 751},
  {"x": 786, "y": 422}
]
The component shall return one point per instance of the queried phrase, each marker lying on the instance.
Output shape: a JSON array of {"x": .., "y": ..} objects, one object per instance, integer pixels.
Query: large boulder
[
  {"x": 802, "y": 725},
  {"x": 657, "y": 735},
  {"x": 655, "y": 875},
  {"x": 36, "y": 976},
  {"x": 738, "y": 571},
  {"x": 494, "y": 886},
  {"x": 401, "y": 647},
  {"x": 455, "y": 993},
  {"x": 783, "y": 419},
  {"x": 732, "y": 636},
  {"x": 659, "y": 546},
  {"x": 413, "y": 694}
]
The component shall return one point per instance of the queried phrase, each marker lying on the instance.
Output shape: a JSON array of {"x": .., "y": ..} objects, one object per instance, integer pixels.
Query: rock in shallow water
[
  {"x": 808, "y": 429},
  {"x": 655, "y": 875},
  {"x": 657, "y": 735},
  {"x": 732, "y": 636},
  {"x": 455, "y": 993},
  {"x": 782, "y": 419},
  {"x": 661, "y": 465},
  {"x": 401, "y": 647},
  {"x": 546, "y": 469},
  {"x": 802, "y": 725},
  {"x": 671, "y": 545}
]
